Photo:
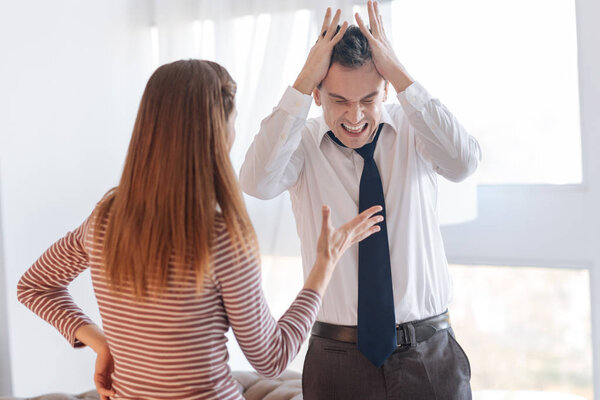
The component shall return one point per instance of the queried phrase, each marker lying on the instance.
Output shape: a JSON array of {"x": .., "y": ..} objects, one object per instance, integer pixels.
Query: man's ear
[{"x": 317, "y": 96}]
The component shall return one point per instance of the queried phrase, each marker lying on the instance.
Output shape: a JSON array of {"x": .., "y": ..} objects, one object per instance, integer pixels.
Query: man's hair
[{"x": 353, "y": 50}]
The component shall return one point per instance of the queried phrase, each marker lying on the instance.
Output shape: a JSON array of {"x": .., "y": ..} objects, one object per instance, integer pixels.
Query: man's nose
[{"x": 355, "y": 114}]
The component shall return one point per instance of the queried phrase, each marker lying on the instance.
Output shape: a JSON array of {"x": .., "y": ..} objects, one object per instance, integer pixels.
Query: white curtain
[{"x": 263, "y": 44}]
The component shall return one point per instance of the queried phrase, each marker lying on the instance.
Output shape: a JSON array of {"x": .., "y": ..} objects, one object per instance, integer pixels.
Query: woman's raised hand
[{"x": 334, "y": 242}]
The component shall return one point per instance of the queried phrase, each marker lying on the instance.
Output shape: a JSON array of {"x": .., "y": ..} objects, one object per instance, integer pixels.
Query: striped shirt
[{"x": 173, "y": 347}]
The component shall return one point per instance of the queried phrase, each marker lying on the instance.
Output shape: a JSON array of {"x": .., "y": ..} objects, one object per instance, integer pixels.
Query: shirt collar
[{"x": 385, "y": 119}]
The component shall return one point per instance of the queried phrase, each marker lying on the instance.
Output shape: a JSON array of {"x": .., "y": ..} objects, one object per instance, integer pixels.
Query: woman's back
[{"x": 174, "y": 346}]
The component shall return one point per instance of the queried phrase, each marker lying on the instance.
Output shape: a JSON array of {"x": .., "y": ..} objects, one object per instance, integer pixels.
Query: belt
[{"x": 409, "y": 333}]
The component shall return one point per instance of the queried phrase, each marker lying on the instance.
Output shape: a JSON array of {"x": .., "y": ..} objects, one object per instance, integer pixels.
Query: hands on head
[
  {"x": 385, "y": 60},
  {"x": 384, "y": 56},
  {"x": 317, "y": 63}
]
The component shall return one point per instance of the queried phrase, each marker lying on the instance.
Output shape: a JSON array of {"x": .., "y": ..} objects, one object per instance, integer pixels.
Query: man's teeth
[{"x": 354, "y": 129}]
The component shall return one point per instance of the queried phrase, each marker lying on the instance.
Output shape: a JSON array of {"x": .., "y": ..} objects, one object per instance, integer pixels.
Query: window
[
  {"x": 508, "y": 71},
  {"x": 525, "y": 328}
]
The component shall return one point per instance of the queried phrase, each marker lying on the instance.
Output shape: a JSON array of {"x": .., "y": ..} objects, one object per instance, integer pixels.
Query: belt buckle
[{"x": 409, "y": 335}]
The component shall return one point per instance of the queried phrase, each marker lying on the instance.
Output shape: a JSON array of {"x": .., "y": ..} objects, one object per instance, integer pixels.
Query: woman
[{"x": 174, "y": 258}]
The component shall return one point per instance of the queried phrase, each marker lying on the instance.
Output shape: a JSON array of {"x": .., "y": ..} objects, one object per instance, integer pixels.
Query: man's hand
[
  {"x": 384, "y": 57},
  {"x": 317, "y": 62},
  {"x": 102, "y": 374}
]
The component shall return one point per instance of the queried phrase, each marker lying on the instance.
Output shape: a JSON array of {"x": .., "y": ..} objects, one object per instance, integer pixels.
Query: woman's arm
[
  {"x": 43, "y": 288},
  {"x": 271, "y": 345}
]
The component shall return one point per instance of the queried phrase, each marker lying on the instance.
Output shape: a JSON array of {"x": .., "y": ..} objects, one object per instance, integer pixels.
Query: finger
[
  {"x": 376, "y": 219},
  {"x": 366, "y": 226},
  {"x": 360, "y": 219},
  {"x": 372, "y": 18},
  {"x": 333, "y": 26},
  {"x": 338, "y": 36},
  {"x": 326, "y": 20},
  {"x": 104, "y": 391},
  {"x": 365, "y": 234},
  {"x": 379, "y": 19},
  {"x": 104, "y": 386},
  {"x": 363, "y": 28},
  {"x": 326, "y": 223},
  {"x": 369, "y": 212}
]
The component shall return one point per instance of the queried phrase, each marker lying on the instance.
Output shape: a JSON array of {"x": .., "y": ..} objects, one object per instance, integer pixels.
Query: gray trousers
[{"x": 436, "y": 369}]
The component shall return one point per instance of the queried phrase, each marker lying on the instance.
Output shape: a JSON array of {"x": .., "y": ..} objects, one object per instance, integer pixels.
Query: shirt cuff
[
  {"x": 295, "y": 103},
  {"x": 415, "y": 95},
  {"x": 72, "y": 327}
]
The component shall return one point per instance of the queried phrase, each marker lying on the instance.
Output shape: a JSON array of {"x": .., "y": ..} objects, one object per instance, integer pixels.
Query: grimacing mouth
[{"x": 355, "y": 129}]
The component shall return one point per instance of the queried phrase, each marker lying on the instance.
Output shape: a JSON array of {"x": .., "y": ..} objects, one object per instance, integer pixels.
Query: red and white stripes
[{"x": 173, "y": 347}]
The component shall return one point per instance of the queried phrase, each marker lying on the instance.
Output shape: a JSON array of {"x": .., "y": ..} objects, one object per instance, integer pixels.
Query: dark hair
[{"x": 352, "y": 51}]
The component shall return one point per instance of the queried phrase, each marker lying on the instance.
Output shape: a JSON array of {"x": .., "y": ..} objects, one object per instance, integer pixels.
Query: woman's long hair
[{"x": 176, "y": 172}]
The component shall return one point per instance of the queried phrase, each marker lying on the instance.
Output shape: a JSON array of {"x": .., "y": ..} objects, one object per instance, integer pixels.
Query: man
[{"x": 383, "y": 330}]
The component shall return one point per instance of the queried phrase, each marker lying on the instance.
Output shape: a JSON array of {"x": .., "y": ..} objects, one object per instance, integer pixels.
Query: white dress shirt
[{"x": 420, "y": 139}]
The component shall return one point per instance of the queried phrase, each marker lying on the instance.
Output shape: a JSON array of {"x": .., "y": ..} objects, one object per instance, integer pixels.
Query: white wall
[
  {"x": 71, "y": 76},
  {"x": 5, "y": 375}
]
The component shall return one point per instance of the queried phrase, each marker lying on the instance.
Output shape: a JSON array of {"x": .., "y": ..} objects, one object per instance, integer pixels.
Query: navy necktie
[{"x": 376, "y": 317}]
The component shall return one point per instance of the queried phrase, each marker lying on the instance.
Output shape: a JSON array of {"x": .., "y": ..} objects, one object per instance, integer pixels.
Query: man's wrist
[
  {"x": 401, "y": 80},
  {"x": 304, "y": 85}
]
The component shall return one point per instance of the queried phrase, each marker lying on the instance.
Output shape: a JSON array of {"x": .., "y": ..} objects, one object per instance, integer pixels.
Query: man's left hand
[{"x": 384, "y": 57}]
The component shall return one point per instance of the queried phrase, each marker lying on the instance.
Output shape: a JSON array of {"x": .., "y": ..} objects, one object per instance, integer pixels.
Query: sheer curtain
[{"x": 263, "y": 44}]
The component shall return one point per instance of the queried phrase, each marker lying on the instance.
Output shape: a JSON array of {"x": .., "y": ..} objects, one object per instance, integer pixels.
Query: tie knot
[{"x": 367, "y": 151}]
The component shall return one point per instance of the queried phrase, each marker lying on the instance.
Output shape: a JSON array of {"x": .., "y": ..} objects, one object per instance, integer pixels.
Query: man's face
[{"x": 352, "y": 100}]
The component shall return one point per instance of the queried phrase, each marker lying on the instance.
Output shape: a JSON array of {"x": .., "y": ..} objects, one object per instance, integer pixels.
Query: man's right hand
[{"x": 317, "y": 63}]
